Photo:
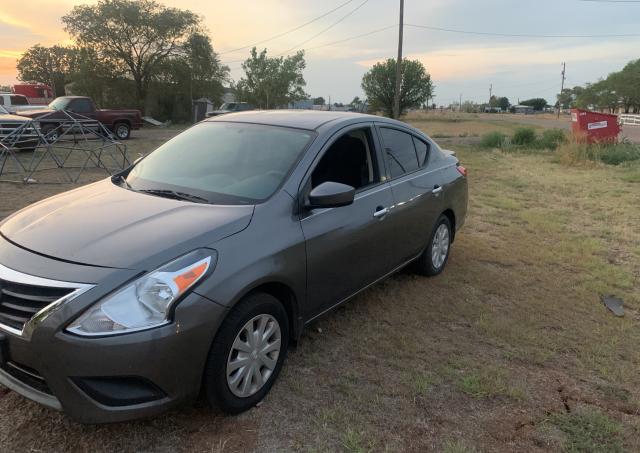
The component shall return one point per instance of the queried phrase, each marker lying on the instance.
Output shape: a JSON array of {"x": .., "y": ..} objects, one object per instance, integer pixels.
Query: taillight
[{"x": 462, "y": 170}]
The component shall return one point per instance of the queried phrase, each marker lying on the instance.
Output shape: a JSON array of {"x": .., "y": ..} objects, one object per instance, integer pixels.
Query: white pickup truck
[{"x": 13, "y": 102}]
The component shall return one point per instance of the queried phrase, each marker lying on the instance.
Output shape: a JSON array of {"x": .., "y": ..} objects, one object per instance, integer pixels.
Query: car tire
[
  {"x": 50, "y": 133},
  {"x": 434, "y": 258},
  {"x": 234, "y": 388},
  {"x": 122, "y": 131}
]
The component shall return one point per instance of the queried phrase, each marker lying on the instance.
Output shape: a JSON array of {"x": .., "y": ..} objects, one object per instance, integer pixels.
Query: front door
[{"x": 347, "y": 247}]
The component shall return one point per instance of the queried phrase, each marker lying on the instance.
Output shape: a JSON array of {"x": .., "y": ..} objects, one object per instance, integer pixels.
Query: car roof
[{"x": 301, "y": 119}]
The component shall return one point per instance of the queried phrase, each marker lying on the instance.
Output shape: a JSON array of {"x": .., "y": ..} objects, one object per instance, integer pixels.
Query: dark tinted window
[
  {"x": 399, "y": 151},
  {"x": 19, "y": 100},
  {"x": 80, "y": 106},
  {"x": 1, "y": 100},
  {"x": 422, "y": 150}
]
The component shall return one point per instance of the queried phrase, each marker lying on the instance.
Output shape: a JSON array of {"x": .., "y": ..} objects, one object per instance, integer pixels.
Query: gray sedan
[{"x": 196, "y": 267}]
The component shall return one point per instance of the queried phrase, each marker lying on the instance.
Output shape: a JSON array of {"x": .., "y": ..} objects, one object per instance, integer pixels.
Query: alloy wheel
[
  {"x": 122, "y": 131},
  {"x": 440, "y": 246},
  {"x": 254, "y": 355}
]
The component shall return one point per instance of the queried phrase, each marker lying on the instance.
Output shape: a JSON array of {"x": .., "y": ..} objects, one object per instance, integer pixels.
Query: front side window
[
  {"x": 399, "y": 151},
  {"x": 223, "y": 163},
  {"x": 19, "y": 100},
  {"x": 349, "y": 160}
]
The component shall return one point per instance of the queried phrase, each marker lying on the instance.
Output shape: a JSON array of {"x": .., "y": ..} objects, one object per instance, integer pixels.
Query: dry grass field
[{"x": 509, "y": 350}]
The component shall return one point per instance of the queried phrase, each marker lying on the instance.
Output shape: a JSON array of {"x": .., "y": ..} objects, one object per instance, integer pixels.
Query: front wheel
[
  {"x": 435, "y": 256},
  {"x": 122, "y": 130},
  {"x": 247, "y": 354}
]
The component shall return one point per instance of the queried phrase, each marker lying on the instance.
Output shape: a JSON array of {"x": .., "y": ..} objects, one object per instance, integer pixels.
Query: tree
[
  {"x": 537, "y": 103},
  {"x": 319, "y": 101},
  {"x": 503, "y": 103},
  {"x": 139, "y": 34},
  {"x": 50, "y": 65},
  {"x": 379, "y": 85},
  {"x": 271, "y": 82}
]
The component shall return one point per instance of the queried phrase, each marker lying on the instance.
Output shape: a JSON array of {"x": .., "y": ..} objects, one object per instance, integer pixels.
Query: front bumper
[
  {"x": 169, "y": 359},
  {"x": 105, "y": 379}
]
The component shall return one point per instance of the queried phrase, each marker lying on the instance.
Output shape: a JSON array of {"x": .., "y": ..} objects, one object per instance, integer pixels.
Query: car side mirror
[{"x": 331, "y": 195}]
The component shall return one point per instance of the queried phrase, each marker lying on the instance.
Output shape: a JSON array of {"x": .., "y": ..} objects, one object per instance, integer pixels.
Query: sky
[{"x": 460, "y": 64}]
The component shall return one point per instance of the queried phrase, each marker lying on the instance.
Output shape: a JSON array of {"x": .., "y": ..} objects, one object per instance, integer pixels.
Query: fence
[{"x": 631, "y": 120}]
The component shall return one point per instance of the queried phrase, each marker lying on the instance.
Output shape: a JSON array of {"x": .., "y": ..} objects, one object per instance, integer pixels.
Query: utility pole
[
  {"x": 490, "y": 93},
  {"x": 396, "y": 99},
  {"x": 564, "y": 69},
  {"x": 460, "y": 104}
]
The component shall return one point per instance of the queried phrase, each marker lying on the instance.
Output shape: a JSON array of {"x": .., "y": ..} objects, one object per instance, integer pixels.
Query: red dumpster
[{"x": 595, "y": 127}]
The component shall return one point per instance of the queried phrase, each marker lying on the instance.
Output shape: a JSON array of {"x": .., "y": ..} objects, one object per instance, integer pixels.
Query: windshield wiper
[{"x": 175, "y": 195}]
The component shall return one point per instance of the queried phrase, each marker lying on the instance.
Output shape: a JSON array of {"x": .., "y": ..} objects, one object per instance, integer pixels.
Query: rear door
[
  {"x": 347, "y": 247},
  {"x": 416, "y": 187}
]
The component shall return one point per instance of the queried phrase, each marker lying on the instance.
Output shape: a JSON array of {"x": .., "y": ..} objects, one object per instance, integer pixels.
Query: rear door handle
[
  {"x": 380, "y": 212},
  {"x": 436, "y": 190}
]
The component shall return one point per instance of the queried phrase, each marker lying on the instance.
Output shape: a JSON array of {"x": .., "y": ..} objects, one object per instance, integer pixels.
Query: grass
[
  {"x": 611, "y": 154},
  {"x": 589, "y": 431},
  {"x": 468, "y": 361}
]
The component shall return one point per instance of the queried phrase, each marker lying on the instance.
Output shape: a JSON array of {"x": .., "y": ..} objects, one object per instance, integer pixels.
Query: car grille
[{"x": 20, "y": 302}]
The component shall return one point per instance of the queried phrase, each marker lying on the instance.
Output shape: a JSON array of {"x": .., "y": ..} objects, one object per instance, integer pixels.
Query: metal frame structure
[{"x": 67, "y": 134}]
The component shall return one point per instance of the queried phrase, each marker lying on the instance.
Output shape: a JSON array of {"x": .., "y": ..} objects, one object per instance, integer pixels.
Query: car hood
[
  {"x": 105, "y": 225},
  {"x": 13, "y": 118},
  {"x": 34, "y": 113}
]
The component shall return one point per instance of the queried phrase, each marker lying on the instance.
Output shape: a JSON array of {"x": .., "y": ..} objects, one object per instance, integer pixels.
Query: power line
[
  {"x": 339, "y": 41},
  {"x": 324, "y": 30},
  {"x": 321, "y": 32},
  {"x": 521, "y": 35},
  {"x": 279, "y": 35}
]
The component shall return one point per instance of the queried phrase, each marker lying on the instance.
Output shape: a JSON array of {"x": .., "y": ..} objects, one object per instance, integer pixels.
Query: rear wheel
[
  {"x": 247, "y": 354},
  {"x": 434, "y": 258},
  {"x": 51, "y": 133},
  {"x": 122, "y": 130}
]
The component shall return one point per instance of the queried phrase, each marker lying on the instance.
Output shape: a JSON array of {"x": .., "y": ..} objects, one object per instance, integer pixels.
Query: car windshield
[
  {"x": 228, "y": 106},
  {"x": 221, "y": 163},
  {"x": 59, "y": 104}
]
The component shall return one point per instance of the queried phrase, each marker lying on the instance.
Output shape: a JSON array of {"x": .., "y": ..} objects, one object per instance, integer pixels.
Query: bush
[
  {"x": 524, "y": 136},
  {"x": 611, "y": 154},
  {"x": 493, "y": 140},
  {"x": 552, "y": 138}
]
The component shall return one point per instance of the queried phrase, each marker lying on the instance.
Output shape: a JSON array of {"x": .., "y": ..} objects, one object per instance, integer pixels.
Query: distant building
[
  {"x": 305, "y": 104},
  {"x": 228, "y": 95},
  {"x": 523, "y": 109}
]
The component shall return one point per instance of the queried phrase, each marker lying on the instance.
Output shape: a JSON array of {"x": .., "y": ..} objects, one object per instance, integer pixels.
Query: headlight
[{"x": 146, "y": 302}]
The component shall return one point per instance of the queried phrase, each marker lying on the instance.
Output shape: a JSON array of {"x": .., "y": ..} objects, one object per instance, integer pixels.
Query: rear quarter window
[
  {"x": 399, "y": 151},
  {"x": 19, "y": 100}
]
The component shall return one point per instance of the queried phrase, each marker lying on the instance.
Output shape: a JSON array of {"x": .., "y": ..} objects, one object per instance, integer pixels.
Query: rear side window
[
  {"x": 1, "y": 100},
  {"x": 19, "y": 100},
  {"x": 80, "y": 106},
  {"x": 400, "y": 152},
  {"x": 422, "y": 150}
]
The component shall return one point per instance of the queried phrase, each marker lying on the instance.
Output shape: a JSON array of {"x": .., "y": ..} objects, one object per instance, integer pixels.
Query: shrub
[
  {"x": 552, "y": 138},
  {"x": 611, "y": 154},
  {"x": 493, "y": 140},
  {"x": 524, "y": 136}
]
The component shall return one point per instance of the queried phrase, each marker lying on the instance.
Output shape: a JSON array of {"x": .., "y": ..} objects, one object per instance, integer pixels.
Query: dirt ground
[{"x": 510, "y": 349}]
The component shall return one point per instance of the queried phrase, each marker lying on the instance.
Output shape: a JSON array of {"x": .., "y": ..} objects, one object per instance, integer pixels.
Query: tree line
[
  {"x": 141, "y": 53},
  {"x": 619, "y": 91}
]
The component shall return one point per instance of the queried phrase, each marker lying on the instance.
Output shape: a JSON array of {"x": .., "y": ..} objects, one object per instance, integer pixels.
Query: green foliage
[
  {"x": 493, "y": 140},
  {"x": 589, "y": 431},
  {"x": 272, "y": 82},
  {"x": 552, "y": 138},
  {"x": 319, "y": 101},
  {"x": 611, "y": 154},
  {"x": 380, "y": 81},
  {"x": 524, "y": 136},
  {"x": 537, "y": 103},
  {"x": 138, "y": 35},
  {"x": 50, "y": 65}
]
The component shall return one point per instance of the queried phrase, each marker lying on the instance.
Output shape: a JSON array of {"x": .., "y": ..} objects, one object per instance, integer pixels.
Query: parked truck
[
  {"x": 16, "y": 102},
  {"x": 120, "y": 122}
]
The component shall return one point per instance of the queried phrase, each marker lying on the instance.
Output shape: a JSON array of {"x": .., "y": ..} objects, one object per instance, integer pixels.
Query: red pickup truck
[{"x": 120, "y": 122}]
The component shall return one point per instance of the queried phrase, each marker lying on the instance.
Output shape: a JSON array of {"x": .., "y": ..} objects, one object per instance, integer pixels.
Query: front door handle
[
  {"x": 380, "y": 212},
  {"x": 436, "y": 190}
]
